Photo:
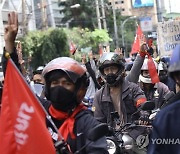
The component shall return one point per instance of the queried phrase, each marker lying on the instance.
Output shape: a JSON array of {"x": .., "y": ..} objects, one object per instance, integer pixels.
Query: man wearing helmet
[
  {"x": 65, "y": 86},
  {"x": 167, "y": 123},
  {"x": 37, "y": 75},
  {"x": 153, "y": 91},
  {"x": 164, "y": 77},
  {"x": 118, "y": 94}
]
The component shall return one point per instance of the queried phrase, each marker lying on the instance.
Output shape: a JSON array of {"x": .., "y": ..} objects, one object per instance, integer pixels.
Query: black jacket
[
  {"x": 84, "y": 121},
  {"x": 103, "y": 105}
]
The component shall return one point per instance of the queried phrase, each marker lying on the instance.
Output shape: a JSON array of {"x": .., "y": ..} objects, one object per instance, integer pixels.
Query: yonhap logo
[
  {"x": 142, "y": 141},
  {"x": 165, "y": 141}
]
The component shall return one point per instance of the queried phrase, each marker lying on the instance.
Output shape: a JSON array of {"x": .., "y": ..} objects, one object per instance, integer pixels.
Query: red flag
[
  {"x": 22, "y": 120},
  {"x": 152, "y": 70},
  {"x": 100, "y": 51},
  {"x": 150, "y": 42},
  {"x": 72, "y": 48},
  {"x": 139, "y": 38}
]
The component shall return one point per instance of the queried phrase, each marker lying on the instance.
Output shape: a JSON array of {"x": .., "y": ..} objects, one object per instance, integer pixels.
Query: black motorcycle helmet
[{"x": 112, "y": 59}]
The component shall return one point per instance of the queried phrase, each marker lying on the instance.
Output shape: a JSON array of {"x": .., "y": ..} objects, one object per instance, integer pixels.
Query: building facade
[
  {"x": 149, "y": 10},
  {"x": 32, "y": 15}
]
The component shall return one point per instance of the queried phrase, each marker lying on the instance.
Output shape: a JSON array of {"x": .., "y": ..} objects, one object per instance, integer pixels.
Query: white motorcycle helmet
[{"x": 146, "y": 79}]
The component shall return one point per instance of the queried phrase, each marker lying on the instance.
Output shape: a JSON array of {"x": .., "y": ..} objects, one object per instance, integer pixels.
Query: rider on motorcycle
[
  {"x": 66, "y": 84},
  {"x": 164, "y": 78},
  {"x": 118, "y": 94},
  {"x": 154, "y": 92}
]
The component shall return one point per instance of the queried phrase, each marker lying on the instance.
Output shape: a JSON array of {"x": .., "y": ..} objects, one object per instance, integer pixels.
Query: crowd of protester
[{"x": 108, "y": 84}]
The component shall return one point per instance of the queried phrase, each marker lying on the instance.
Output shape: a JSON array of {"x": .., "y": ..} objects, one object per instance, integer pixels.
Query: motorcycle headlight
[
  {"x": 111, "y": 146},
  {"x": 128, "y": 141}
]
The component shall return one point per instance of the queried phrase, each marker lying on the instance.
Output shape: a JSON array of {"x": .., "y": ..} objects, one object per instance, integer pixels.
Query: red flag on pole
[
  {"x": 139, "y": 38},
  {"x": 152, "y": 70},
  {"x": 100, "y": 51},
  {"x": 72, "y": 48},
  {"x": 22, "y": 120}
]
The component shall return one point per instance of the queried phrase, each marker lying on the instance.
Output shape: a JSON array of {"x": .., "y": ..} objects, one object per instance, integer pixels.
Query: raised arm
[
  {"x": 10, "y": 34},
  {"x": 133, "y": 76}
]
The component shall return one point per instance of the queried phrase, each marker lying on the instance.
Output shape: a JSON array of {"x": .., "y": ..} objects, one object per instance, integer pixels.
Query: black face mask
[
  {"x": 111, "y": 78},
  {"x": 62, "y": 99},
  {"x": 163, "y": 78},
  {"x": 114, "y": 79}
]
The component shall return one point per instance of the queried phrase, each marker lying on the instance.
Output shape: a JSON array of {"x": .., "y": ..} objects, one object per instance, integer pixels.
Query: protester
[
  {"x": 20, "y": 58},
  {"x": 134, "y": 72},
  {"x": 118, "y": 94},
  {"x": 165, "y": 135},
  {"x": 37, "y": 75},
  {"x": 123, "y": 96},
  {"x": 90, "y": 65},
  {"x": 153, "y": 91},
  {"x": 92, "y": 71},
  {"x": 66, "y": 85},
  {"x": 165, "y": 78}
]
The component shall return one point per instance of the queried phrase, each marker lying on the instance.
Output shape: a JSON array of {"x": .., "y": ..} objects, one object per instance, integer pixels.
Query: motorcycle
[
  {"x": 167, "y": 98},
  {"x": 124, "y": 141},
  {"x": 130, "y": 138}
]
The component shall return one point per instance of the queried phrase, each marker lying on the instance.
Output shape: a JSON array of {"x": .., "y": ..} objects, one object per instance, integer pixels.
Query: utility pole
[
  {"x": 51, "y": 14},
  {"x": 169, "y": 6},
  {"x": 115, "y": 24},
  {"x": 159, "y": 11},
  {"x": 44, "y": 15},
  {"x": 103, "y": 15},
  {"x": 24, "y": 25},
  {"x": 98, "y": 14}
]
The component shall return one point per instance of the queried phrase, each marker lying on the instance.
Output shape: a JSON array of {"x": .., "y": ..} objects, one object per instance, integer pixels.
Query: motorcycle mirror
[
  {"x": 94, "y": 134},
  {"x": 148, "y": 105},
  {"x": 98, "y": 132}
]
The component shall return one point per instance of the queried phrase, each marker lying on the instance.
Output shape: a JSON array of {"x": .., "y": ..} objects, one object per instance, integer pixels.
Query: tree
[
  {"x": 81, "y": 16},
  {"x": 44, "y": 46},
  {"x": 84, "y": 38},
  {"x": 85, "y": 17}
]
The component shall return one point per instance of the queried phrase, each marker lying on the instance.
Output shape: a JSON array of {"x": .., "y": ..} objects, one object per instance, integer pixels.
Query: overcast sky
[{"x": 172, "y": 6}]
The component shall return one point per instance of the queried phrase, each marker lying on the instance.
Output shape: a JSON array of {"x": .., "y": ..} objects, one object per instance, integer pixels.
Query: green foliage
[
  {"x": 100, "y": 36},
  {"x": 44, "y": 46},
  {"x": 85, "y": 17},
  {"x": 84, "y": 38}
]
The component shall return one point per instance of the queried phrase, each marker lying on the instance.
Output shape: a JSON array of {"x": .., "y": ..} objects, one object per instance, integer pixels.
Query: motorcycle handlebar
[{"x": 137, "y": 123}]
